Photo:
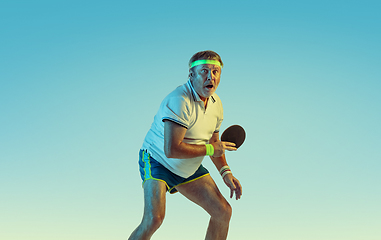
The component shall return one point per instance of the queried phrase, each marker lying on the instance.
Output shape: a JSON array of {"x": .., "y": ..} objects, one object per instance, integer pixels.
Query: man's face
[{"x": 205, "y": 79}]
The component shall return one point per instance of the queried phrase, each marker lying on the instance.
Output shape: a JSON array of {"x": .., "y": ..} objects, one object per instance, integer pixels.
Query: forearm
[
  {"x": 219, "y": 162},
  {"x": 185, "y": 150}
]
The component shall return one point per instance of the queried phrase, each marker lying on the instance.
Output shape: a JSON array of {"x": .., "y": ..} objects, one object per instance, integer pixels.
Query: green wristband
[{"x": 209, "y": 149}]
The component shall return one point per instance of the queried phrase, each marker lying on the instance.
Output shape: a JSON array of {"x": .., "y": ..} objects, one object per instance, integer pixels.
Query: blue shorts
[{"x": 152, "y": 169}]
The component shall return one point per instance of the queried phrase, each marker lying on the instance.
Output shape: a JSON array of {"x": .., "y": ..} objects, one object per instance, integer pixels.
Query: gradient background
[{"x": 82, "y": 80}]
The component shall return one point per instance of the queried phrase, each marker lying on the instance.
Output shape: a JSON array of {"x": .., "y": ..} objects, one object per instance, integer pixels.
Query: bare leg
[
  {"x": 154, "y": 210},
  {"x": 204, "y": 192}
]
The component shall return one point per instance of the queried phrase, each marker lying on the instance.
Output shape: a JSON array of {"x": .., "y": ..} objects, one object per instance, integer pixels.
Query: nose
[{"x": 209, "y": 77}]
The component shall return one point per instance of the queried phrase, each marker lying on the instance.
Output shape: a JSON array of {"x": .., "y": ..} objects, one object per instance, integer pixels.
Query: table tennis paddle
[{"x": 235, "y": 134}]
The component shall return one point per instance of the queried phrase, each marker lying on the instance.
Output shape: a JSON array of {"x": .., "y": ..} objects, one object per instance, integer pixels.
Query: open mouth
[{"x": 210, "y": 86}]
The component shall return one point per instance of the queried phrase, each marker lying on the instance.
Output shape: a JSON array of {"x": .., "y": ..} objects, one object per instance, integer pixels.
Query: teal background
[{"x": 80, "y": 82}]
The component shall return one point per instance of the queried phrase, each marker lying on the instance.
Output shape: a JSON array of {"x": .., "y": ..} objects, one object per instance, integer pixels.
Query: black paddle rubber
[{"x": 235, "y": 134}]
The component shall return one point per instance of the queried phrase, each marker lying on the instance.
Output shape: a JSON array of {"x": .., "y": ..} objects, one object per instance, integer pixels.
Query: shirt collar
[{"x": 196, "y": 97}]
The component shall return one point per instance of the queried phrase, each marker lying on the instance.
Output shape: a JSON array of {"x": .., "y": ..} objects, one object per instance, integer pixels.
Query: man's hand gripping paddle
[{"x": 235, "y": 134}]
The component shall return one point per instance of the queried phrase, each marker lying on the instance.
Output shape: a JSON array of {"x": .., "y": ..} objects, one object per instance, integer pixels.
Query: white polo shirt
[{"x": 184, "y": 106}]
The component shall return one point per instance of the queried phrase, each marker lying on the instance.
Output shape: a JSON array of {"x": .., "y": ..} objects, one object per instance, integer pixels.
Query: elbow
[{"x": 169, "y": 151}]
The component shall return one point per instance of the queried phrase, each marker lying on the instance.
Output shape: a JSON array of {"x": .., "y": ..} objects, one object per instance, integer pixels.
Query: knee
[
  {"x": 224, "y": 212},
  {"x": 227, "y": 211},
  {"x": 147, "y": 227},
  {"x": 154, "y": 222}
]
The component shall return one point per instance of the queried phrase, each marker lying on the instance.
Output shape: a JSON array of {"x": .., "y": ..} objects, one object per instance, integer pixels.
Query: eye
[
  {"x": 215, "y": 72},
  {"x": 204, "y": 70}
]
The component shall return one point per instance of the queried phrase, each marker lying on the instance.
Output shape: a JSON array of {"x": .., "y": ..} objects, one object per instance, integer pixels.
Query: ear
[{"x": 191, "y": 74}]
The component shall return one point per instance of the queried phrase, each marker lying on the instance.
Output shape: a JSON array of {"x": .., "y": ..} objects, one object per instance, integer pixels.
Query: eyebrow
[{"x": 212, "y": 68}]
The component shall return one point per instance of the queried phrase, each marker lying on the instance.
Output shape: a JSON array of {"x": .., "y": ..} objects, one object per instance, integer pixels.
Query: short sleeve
[
  {"x": 176, "y": 109},
  {"x": 220, "y": 117},
  {"x": 218, "y": 125}
]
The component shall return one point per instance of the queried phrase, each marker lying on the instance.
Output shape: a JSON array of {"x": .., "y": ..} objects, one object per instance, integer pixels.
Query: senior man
[{"x": 184, "y": 130}]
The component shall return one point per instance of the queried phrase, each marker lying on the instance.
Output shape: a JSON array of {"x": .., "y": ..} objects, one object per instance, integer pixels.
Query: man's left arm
[{"x": 229, "y": 179}]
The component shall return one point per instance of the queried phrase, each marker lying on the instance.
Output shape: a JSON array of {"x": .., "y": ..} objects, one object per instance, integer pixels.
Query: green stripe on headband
[{"x": 205, "y": 61}]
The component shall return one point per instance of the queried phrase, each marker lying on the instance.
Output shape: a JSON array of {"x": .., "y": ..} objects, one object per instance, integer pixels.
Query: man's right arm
[{"x": 174, "y": 147}]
